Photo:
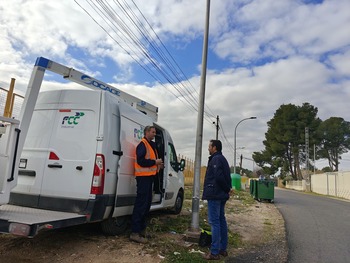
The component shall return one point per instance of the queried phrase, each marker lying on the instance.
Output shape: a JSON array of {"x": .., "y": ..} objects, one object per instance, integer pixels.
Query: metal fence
[
  {"x": 189, "y": 171},
  {"x": 16, "y": 103}
]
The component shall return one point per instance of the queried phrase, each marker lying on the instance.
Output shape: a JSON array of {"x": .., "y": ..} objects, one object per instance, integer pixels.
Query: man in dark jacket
[{"x": 217, "y": 187}]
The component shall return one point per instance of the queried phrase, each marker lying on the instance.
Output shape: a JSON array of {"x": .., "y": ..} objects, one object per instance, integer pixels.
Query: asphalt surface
[{"x": 318, "y": 227}]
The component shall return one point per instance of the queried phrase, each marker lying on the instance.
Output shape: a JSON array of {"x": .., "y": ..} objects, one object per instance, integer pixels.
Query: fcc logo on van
[{"x": 72, "y": 121}]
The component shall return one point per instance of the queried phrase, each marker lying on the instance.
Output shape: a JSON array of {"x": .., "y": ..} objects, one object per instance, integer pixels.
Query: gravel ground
[{"x": 264, "y": 236}]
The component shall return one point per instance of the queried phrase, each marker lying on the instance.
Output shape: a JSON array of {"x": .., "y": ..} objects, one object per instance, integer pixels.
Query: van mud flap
[{"x": 26, "y": 221}]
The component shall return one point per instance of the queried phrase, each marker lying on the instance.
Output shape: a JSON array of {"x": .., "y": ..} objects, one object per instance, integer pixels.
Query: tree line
[{"x": 286, "y": 141}]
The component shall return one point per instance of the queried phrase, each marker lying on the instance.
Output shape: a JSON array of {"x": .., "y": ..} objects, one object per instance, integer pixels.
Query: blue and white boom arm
[
  {"x": 42, "y": 64},
  {"x": 92, "y": 83}
]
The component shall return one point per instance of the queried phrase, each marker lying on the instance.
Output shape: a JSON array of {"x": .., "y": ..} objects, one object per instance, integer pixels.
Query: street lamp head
[{"x": 234, "y": 158}]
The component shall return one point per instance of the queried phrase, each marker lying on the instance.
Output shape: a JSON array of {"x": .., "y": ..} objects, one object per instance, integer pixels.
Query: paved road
[{"x": 318, "y": 227}]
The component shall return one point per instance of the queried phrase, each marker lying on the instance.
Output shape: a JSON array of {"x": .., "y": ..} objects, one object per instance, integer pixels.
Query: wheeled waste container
[
  {"x": 265, "y": 190},
  {"x": 253, "y": 188},
  {"x": 236, "y": 181}
]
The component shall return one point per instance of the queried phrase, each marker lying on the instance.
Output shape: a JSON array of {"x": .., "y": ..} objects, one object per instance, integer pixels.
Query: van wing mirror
[{"x": 182, "y": 164}]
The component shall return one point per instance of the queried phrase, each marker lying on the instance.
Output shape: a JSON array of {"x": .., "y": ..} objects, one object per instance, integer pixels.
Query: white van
[{"x": 77, "y": 164}]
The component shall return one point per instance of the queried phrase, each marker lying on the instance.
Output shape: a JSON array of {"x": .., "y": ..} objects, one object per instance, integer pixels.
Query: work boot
[
  {"x": 145, "y": 234},
  {"x": 211, "y": 256},
  {"x": 223, "y": 253},
  {"x": 136, "y": 237}
]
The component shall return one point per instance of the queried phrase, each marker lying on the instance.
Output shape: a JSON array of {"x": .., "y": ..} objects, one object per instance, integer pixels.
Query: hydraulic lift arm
[{"x": 11, "y": 145}]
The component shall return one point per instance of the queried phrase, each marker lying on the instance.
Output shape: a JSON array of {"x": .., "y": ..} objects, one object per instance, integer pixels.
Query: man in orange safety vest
[{"x": 147, "y": 164}]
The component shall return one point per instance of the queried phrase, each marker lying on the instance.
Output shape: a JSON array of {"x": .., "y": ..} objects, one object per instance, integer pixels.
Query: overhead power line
[
  {"x": 127, "y": 26},
  {"x": 224, "y": 139}
]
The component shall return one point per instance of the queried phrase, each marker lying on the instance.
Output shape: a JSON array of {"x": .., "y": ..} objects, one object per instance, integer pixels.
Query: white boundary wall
[
  {"x": 333, "y": 184},
  {"x": 296, "y": 185}
]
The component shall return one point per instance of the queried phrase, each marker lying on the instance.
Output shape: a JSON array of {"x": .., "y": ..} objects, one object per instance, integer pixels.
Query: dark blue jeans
[
  {"x": 142, "y": 204},
  {"x": 217, "y": 221}
]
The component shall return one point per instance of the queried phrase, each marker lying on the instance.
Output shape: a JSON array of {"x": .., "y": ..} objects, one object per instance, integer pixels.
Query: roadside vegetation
[
  {"x": 168, "y": 231},
  {"x": 256, "y": 232},
  {"x": 296, "y": 133}
]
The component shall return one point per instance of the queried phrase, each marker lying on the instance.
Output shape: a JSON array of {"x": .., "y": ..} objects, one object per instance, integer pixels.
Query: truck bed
[{"x": 26, "y": 221}]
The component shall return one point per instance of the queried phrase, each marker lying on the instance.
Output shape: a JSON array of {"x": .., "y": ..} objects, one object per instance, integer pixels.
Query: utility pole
[
  {"x": 308, "y": 179},
  {"x": 314, "y": 159},
  {"x": 199, "y": 134},
  {"x": 217, "y": 127},
  {"x": 240, "y": 163}
]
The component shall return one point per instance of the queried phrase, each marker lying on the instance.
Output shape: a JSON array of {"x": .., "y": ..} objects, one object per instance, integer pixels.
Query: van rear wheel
[{"x": 115, "y": 225}]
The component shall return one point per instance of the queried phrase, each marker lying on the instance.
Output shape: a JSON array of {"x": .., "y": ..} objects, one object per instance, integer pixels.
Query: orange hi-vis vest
[{"x": 150, "y": 154}]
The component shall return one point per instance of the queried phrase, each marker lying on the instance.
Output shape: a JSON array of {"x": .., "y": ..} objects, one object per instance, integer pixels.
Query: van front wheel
[
  {"x": 178, "y": 203},
  {"x": 115, "y": 225}
]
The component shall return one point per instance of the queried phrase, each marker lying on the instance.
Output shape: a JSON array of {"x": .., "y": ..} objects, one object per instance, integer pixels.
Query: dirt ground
[
  {"x": 263, "y": 234},
  {"x": 260, "y": 226}
]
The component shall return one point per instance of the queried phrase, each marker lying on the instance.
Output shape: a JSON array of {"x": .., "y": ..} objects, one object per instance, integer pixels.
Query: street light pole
[
  {"x": 234, "y": 155},
  {"x": 199, "y": 134}
]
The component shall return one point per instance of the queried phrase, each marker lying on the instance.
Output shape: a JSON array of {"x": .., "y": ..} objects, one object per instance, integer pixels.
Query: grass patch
[
  {"x": 188, "y": 193},
  {"x": 244, "y": 204},
  {"x": 162, "y": 226},
  {"x": 245, "y": 197},
  {"x": 170, "y": 223},
  {"x": 234, "y": 240}
]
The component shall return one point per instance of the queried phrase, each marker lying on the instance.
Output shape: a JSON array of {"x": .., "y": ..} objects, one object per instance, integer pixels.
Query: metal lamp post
[{"x": 234, "y": 157}]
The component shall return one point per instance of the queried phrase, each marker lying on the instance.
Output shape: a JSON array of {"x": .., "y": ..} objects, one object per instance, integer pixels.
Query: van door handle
[
  {"x": 79, "y": 168},
  {"x": 54, "y": 165},
  {"x": 14, "y": 157},
  {"x": 170, "y": 174}
]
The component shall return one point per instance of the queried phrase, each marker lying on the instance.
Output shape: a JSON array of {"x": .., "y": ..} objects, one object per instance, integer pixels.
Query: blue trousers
[
  {"x": 217, "y": 221},
  {"x": 142, "y": 204}
]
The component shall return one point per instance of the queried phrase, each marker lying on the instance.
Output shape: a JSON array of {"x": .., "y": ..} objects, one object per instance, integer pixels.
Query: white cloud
[
  {"x": 341, "y": 63},
  {"x": 261, "y": 28}
]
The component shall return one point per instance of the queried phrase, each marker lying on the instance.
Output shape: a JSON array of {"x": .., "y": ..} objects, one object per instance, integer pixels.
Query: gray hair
[{"x": 147, "y": 129}]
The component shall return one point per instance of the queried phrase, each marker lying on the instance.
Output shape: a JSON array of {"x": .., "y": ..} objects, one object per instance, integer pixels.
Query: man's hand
[
  {"x": 160, "y": 164},
  {"x": 231, "y": 191},
  {"x": 159, "y": 161}
]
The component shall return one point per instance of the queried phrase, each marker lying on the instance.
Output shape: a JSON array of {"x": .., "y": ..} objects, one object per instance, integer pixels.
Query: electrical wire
[
  {"x": 140, "y": 40},
  {"x": 223, "y": 136}
]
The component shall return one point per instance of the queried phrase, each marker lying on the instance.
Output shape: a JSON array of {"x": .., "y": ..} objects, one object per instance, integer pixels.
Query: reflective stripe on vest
[{"x": 150, "y": 154}]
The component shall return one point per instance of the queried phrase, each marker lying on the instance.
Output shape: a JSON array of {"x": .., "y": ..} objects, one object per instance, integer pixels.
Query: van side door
[{"x": 173, "y": 176}]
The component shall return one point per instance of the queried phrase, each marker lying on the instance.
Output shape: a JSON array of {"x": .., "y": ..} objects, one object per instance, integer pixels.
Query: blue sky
[{"x": 262, "y": 54}]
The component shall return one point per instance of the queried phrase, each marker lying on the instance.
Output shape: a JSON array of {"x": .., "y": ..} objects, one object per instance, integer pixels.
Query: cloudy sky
[{"x": 262, "y": 54}]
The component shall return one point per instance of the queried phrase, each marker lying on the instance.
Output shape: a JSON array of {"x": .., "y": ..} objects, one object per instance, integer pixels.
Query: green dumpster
[
  {"x": 252, "y": 188},
  {"x": 251, "y": 182},
  {"x": 236, "y": 181},
  {"x": 265, "y": 190}
]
